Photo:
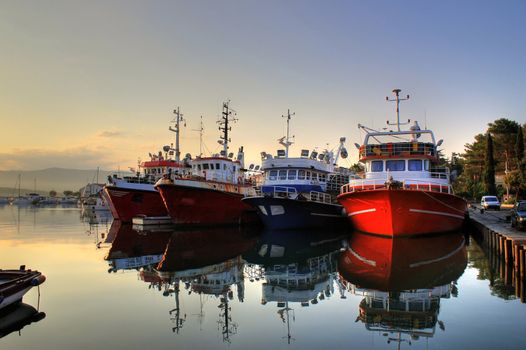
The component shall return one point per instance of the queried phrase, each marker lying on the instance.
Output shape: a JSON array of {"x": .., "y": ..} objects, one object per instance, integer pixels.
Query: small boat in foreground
[
  {"x": 402, "y": 194},
  {"x": 15, "y": 283}
]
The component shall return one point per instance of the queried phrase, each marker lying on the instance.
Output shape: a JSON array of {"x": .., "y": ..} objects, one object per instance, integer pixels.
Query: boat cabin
[
  {"x": 218, "y": 169},
  {"x": 403, "y": 156},
  {"x": 304, "y": 174}
]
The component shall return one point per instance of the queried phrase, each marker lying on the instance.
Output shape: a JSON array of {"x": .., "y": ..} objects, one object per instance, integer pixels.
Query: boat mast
[
  {"x": 201, "y": 131},
  {"x": 287, "y": 142},
  {"x": 397, "y": 99},
  {"x": 226, "y": 117},
  {"x": 177, "y": 120}
]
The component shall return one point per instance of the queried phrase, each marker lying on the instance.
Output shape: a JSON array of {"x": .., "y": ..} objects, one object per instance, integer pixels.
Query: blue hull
[{"x": 287, "y": 214}]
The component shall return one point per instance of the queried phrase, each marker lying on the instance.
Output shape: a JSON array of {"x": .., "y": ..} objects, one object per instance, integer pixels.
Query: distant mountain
[{"x": 57, "y": 179}]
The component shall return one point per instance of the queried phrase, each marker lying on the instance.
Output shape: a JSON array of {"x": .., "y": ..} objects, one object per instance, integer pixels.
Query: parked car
[
  {"x": 518, "y": 215},
  {"x": 490, "y": 202}
]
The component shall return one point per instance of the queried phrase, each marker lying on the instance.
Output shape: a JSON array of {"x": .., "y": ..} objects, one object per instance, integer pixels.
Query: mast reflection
[
  {"x": 402, "y": 281},
  {"x": 207, "y": 262},
  {"x": 297, "y": 267}
]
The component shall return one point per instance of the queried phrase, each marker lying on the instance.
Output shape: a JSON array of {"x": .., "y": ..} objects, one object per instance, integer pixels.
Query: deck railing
[
  {"x": 320, "y": 197},
  {"x": 407, "y": 184},
  {"x": 398, "y": 149}
]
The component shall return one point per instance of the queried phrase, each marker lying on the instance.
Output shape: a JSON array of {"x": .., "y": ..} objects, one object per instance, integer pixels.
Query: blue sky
[{"x": 86, "y": 84}]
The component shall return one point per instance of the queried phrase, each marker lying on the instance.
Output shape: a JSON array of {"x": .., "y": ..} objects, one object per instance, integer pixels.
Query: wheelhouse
[{"x": 217, "y": 169}]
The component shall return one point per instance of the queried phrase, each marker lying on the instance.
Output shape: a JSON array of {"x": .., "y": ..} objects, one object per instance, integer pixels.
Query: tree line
[{"x": 494, "y": 164}]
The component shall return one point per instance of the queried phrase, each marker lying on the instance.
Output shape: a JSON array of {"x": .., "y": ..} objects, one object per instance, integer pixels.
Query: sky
[{"x": 87, "y": 84}]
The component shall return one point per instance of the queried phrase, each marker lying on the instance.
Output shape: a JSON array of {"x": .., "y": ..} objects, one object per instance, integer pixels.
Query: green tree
[
  {"x": 53, "y": 193},
  {"x": 504, "y": 134},
  {"x": 489, "y": 167},
  {"x": 67, "y": 193},
  {"x": 521, "y": 161}
]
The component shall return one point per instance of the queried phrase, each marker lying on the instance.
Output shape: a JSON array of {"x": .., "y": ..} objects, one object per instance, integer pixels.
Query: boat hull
[
  {"x": 398, "y": 213},
  {"x": 198, "y": 206},
  {"x": 286, "y": 214},
  {"x": 14, "y": 284},
  {"x": 127, "y": 203}
]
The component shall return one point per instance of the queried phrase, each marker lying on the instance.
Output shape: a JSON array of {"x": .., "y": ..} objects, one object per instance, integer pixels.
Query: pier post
[
  {"x": 516, "y": 254},
  {"x": 507, "y": 251},
  {"x": 521, "y": 263}
]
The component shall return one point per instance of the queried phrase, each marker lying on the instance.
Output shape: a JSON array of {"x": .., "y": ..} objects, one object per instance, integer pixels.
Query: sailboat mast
[{"x": 287, "y": 142}]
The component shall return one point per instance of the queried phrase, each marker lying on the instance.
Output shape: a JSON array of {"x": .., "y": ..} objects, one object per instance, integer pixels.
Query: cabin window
[
  {"x": 395, "y": 165},
  {"x": 414, "y": 165},
  {"x": 426, "y": 165},
  {"x": 377, "y": 166},
  {"x": 307, "y": 177},
  {"x": 314, "y": 176},
  {"x": 273, "y": 175},
  {"x": 199, "y": 167},
  {"x": 283, "y": 174},
  {"x": 322, "y": 178},
  {"x": 234, "y": 168},
  {"x": 292, "y": 175},
  {"x": 218, "y": 166},
  {"x": 301, "y": 174},
  {"x": 205, "y": 166},
  {"x": 224, "y": 166}
]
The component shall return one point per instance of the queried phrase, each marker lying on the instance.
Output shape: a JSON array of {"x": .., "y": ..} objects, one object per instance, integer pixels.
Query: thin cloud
[
  {"x": 109, "y": 133},
  {"x": 77, "y": 158}
]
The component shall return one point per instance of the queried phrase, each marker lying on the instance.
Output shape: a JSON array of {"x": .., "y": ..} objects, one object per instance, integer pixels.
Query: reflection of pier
[{"x": 402, "y": 281}]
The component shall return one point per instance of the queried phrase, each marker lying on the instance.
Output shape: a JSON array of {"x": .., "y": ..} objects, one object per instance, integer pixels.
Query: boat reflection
[
  {"x": 207, "y": 262},
  {"x": 132, "y": 249},
  {"x": 296, "y": 267},
  {"x": 402, "y": 281},
  {"x": 16, "y": 317}
]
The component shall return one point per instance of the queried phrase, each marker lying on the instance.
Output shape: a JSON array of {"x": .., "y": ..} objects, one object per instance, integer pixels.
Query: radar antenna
[{"x": 397, "y": 99}]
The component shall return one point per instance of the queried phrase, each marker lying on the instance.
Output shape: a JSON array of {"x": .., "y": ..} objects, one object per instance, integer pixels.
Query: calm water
[{"x": 110, "y": 287}]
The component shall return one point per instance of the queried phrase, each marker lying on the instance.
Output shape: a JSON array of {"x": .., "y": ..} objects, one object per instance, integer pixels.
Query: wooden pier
[{"x": 504, "y": 244}]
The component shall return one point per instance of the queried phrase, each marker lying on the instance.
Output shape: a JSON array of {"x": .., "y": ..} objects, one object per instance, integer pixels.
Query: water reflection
[
  {"x": 16, "y": 317},
  {"x": 206, "y": 262},
  {"x": 402, "y": 282},
  {"x": 297, "y": 268}
]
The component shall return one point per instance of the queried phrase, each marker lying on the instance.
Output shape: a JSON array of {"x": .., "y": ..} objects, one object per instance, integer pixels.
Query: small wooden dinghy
[{"x": 15, "y": 283}]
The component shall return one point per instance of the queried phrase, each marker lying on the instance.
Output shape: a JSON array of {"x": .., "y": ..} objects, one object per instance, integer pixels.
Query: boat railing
[
  {"x": 423, "y": 185},
  {"x": 402, "y": 149},
  {"x": 364, "y": 184},
  {"x": 284, "y": 192},
  {"x": 321, "y": 197},
  {"x": 408, "y": 184}
]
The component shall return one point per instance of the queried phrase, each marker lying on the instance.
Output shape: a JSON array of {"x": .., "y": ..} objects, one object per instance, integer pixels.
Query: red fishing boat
[
  {"x": 133, "y": 196},
  {"x": 212, "y": 194},
  {"x": 15, "y": 283},
  {"x": 403, "y": 193}
]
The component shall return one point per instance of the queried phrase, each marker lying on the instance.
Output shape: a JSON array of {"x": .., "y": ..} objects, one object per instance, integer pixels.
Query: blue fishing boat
[{"x": 299, "y": 192}]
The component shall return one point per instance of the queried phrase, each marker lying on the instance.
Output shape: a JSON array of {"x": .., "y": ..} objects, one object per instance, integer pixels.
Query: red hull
[
  {"x": 197, "y": 206},
  {"x": 396, "y": 213},
  {"x": 127, "y": 203},
  {"x": 387, "y": 264}
]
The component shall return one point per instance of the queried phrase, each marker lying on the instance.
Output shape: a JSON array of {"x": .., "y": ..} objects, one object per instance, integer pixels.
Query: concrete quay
[{"x": 492, "y": 230}]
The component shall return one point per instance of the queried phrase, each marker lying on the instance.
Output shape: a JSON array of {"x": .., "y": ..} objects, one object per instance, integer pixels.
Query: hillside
[{"x": 57, "y": 179}]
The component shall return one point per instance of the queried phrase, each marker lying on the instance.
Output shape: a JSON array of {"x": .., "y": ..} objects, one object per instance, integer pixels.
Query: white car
[{"x": 490, "y": 202}]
